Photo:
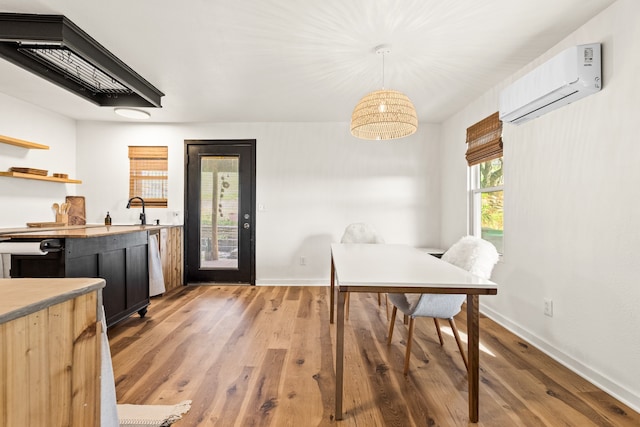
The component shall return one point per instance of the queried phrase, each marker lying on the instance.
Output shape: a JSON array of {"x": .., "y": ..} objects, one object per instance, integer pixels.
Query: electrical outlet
[
  {"x": 303, "y": 260},
  {"x": 548, "y": 307}
]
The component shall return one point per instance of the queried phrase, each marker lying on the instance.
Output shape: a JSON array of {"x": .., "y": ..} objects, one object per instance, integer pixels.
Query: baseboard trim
[
  {"x": 622, "y": 394},
  {"x": 288, "y": 282}
]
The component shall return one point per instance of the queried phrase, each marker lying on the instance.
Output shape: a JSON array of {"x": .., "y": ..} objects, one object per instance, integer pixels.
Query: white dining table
[{"x": 389, "y": 268}]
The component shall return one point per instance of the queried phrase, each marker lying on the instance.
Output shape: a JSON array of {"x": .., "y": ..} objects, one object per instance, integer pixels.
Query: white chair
[
  {"x": 469, "y": 253},
  {"x": 360, "y": 233}
]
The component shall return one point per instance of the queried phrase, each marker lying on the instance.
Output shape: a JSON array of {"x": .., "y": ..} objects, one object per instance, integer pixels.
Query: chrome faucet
[{"x": 143, "y": 216}]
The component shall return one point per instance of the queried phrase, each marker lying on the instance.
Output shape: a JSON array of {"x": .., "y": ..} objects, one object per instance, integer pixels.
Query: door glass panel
[{"x": 219, "y": 212}]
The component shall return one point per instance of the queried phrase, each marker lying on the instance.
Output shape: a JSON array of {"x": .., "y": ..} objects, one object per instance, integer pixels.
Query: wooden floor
[{"x": 264, "y": 356}]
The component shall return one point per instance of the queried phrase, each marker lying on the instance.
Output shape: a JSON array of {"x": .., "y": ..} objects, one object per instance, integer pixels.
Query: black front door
[{"x": 220, "y": 211}]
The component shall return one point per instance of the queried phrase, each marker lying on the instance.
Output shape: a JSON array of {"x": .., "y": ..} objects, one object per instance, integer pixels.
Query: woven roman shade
[
  {"x": 484, "y": 140},
  {"x": 148, "y": 175}
]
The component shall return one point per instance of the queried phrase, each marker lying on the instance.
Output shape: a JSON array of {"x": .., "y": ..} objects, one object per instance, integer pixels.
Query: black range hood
[{"x": 56, "y": 49}]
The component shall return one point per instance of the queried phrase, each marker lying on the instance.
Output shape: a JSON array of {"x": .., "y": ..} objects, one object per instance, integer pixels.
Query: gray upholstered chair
[
  {"x": 469, "y": 253},
  {"x": 359, "y": 232}
]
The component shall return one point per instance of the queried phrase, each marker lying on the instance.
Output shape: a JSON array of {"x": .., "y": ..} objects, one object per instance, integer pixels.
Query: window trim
[{"x": 484, "y": 143}]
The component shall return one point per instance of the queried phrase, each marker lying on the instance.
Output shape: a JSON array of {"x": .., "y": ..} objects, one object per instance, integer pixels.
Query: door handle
[{"x": 246, "y": 225}]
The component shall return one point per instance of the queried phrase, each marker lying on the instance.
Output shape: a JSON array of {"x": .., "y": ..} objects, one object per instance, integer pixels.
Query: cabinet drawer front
[{"x": 80, "y": 247}]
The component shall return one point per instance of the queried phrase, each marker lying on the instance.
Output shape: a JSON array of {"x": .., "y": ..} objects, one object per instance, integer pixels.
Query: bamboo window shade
[
  {"x": 484, "y": 140},
  {"x": 148, "y": 175}
]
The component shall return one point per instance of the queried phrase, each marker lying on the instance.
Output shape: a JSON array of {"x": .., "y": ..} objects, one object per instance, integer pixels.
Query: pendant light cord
[{"x": 383, "y": 54}]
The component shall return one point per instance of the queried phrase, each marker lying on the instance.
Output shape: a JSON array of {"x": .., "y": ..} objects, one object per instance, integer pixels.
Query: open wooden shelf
[
  {"x": 40, "y": 177},
  {"x": 22, "y": 143},
  {"x": 32, "y": 145}
]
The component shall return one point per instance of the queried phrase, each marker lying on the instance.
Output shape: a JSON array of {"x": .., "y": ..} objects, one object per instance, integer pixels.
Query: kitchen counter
[
  {"x": 82, "y": 231},
  {"x": 117, "y": 253},
  {"x": 13, "y": 230},
  {"x": 21, "y": 297},
  {"x": 50, "y": 357}
]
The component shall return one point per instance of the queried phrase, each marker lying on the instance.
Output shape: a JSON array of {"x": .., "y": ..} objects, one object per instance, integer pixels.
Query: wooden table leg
[
  {"x": 339, "y": 355},
  {"x": 473, "y": 350},
  {"x": 333, "y": 289}
]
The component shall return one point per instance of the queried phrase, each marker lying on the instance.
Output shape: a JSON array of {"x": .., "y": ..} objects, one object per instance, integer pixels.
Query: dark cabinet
[{"x": 120, "y": 259}]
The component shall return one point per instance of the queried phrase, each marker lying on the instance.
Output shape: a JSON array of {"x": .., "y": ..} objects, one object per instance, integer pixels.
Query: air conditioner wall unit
[{"x": 571, "y": 75}]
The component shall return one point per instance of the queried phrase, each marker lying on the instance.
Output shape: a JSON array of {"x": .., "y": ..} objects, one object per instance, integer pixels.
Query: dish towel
[
  {"x": 151, "y": 415},
  {"x": 156, "y": 278},
  {"x": 5, "y": 266},
  {"x": 108, "y": 411}
]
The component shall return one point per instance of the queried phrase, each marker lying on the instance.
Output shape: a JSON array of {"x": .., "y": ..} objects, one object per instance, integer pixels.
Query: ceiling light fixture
[
  {"x": 132, "y": 113},
  {"x": 384, "y": 114},
  {"x": 57, "y": 50}
]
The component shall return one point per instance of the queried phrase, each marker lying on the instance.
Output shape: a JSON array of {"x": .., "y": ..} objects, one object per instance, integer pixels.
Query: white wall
[
  {"x": 571, "y": 214},
  {"x": 313, "y": 179},
  {"x": 25, "y": 200}
]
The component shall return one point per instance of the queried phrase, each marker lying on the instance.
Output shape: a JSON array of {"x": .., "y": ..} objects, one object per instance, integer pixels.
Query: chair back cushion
[
  {"x": 473, "y": 254},
  {"x": 360, "y": 233}
]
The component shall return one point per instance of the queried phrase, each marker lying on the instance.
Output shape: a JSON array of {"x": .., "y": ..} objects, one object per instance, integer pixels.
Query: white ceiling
[{"x": 303, "y": 60}]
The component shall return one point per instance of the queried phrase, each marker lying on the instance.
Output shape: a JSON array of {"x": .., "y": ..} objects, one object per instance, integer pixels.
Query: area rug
[{"x": 151, "y": 415}]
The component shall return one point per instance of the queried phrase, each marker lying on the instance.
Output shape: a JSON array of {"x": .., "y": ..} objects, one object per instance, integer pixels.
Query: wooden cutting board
[
  {"x": 45, "y": 224},
  {"x": 31, "y": 171},
  {"x": 77, "y": 213}
]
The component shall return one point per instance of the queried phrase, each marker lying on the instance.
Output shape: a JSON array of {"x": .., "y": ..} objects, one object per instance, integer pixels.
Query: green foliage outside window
[
  {"x": 492, "y": 210},
  {"x": 492, "y": 202},
  {"x": 491, "y": 173}
]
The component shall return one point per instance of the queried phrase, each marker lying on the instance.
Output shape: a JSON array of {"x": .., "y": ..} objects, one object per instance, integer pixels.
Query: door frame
[{"x": 251, "y": 143}]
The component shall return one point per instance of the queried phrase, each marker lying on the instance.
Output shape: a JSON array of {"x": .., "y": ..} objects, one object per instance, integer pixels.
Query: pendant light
[{"x": 384, "y": 114}]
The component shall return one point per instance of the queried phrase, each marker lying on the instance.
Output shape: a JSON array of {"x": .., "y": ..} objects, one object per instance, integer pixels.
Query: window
[
  {"x": 486, "y": 183},
  {"x": 148, "y": 176}
]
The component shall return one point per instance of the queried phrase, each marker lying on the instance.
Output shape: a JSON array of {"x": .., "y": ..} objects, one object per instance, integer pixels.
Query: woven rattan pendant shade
[{"x": 384, "y": 114}]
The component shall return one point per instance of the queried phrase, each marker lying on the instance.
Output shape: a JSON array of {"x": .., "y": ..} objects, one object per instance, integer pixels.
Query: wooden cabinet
[
  {"x": 121, "y": 259},
  {"x": 50, "y": 352},
  {"x": 171, "y": 256}
]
